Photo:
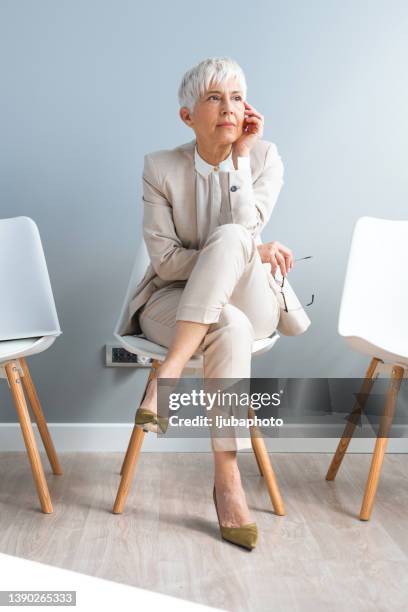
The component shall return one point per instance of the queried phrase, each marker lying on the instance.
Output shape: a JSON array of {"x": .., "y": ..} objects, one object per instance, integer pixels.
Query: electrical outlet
[{"x": 117, "y": 356}]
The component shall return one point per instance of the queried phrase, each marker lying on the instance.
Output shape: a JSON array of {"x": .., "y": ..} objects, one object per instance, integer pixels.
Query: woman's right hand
[{"x": 277, "y": 254}]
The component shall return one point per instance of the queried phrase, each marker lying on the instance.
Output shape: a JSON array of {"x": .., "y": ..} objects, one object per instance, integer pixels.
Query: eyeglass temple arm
[{"x": 300, "y": 258}]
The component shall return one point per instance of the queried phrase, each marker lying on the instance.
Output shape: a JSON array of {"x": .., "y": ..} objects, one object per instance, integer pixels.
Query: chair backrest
[
  {"x": 374, "y": 304},
  {"x": 27, "y": 307},
  {"x": 142, "y": 260}
]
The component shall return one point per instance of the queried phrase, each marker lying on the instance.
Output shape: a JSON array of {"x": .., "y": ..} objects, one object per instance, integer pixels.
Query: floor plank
[{"x": 319, "y": 556}]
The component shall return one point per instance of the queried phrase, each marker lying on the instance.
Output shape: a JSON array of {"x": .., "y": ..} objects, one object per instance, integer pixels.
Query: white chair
[
  {"x": 374, "y": 321},
  {"x": 28, "y": 325},
  {"x": 140, "y": 345}
]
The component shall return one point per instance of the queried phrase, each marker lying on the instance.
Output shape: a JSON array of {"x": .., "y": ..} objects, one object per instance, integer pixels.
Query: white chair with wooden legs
[
  {"x": 373, "y": 320},
  {"x": 28, "y": 325},
  {"x": 140, "y": 345}
]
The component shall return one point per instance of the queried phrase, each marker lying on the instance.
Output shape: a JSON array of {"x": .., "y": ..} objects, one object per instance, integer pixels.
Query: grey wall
[{"x": 87, "y": 87}]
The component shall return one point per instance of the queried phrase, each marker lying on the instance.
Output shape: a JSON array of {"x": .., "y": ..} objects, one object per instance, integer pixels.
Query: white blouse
[{"x": 208, "y": 191}]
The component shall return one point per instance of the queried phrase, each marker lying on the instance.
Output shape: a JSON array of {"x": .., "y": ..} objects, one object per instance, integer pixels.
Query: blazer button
[{"x": 234, "y": 188}]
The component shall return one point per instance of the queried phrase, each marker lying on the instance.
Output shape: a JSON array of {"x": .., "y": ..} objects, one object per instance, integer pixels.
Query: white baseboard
[{"x": 114, "y": 437}]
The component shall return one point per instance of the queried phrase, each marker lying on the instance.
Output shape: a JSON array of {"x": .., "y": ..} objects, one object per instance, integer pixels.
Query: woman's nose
[{"x": 227, "y": 107}]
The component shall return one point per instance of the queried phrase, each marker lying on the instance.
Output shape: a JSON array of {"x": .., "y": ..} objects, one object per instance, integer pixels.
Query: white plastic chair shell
[
  {"x": 27, "y": 307},
  {"x": 373, "y": 314},
  {"x": 28, "y": 317}
]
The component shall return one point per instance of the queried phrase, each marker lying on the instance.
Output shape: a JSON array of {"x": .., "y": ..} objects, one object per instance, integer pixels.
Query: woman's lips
[{"x": 225, "y": 125}]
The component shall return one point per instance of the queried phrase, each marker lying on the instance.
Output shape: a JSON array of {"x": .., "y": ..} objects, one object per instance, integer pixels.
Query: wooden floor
[{"x": 318, "y": 557}]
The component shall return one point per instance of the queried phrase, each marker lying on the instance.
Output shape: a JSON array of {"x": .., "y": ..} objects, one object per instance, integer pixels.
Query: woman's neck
[{"x": 213, "y": 154}]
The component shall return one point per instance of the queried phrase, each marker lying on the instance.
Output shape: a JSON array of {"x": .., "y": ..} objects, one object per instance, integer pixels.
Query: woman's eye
[{"x": 215, "y": 97}]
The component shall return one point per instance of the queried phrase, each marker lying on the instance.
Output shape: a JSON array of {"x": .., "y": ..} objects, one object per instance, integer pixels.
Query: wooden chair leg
[
  {"x": 265, "y": 468},
  {"x": 132, "y": 453},
  {"x": 255, "y": 430},
  {"x": 255, "y": 450},
  {"x": 351, "y": 425},
  {"x": 39, "y": 418},
  {"x": 130, "y": 446},
  {"x": 14, "y": 380},
  {"x": 152, "y": 374},
  {"x": 381, "y": 443}
]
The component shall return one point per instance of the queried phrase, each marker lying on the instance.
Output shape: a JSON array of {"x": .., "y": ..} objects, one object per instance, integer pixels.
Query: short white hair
[{"x": 210, "y": 71}]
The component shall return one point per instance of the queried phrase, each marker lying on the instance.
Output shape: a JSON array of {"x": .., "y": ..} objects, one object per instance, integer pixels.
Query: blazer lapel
[{"x": 187, "y": 218}]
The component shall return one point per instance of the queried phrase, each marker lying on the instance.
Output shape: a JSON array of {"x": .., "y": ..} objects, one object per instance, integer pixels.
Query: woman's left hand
[
  {"x": 278, "y": 255},
  {"x": 252, "y": 131}
]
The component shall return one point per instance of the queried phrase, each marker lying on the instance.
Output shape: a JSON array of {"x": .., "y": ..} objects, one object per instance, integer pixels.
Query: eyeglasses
[{"x": 283, "y": 283}]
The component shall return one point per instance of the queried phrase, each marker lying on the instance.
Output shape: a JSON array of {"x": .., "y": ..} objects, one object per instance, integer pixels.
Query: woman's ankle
[
  {"x": 169, "y": 371},
  {"x": 227, "y": 476}
]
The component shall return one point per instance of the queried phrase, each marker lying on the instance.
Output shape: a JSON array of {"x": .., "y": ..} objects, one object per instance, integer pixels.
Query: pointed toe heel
[{"x": 245, "y": 536}]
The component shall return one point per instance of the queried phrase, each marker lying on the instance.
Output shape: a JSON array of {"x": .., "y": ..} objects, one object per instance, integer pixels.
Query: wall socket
[{"x": 117, "y": 356}]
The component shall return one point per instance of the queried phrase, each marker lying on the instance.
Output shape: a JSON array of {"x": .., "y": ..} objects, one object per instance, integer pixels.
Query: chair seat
[
  {"x": 13, "y": 349},
  {"x": 373, "y": 350},
  {"x": 140, "y": 345}
]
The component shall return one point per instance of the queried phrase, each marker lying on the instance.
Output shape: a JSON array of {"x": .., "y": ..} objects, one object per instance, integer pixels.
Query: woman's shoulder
[
  {"x": 264, "y": 147},
  {"x": 163, "y": 161},
  {"x": 173, "y": 156},
  {"x": 264, "y": 154}
]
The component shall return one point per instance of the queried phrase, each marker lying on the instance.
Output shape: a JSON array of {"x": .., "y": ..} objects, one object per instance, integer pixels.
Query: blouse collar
[{"x": 205, "y": 169}]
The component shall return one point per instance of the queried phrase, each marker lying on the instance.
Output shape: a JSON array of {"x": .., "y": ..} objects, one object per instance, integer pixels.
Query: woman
[{"x": 207, "y": 287}]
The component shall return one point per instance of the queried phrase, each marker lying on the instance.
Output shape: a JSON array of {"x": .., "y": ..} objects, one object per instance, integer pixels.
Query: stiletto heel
[{"x": 245, "y": 536}]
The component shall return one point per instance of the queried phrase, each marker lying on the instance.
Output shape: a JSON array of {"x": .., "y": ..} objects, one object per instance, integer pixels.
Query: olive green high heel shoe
[
  {"x": 151, "y": 421},
  {"x": 148, "y": 419},
  {"x": 245, "y": 536}
]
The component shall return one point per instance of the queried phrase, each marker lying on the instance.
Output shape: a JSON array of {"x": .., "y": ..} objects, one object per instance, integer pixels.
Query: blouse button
[{"x": 234, "y": 188}]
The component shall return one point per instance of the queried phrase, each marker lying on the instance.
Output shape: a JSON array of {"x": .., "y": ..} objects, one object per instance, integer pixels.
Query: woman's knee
[{"x": 232, "y": 233}]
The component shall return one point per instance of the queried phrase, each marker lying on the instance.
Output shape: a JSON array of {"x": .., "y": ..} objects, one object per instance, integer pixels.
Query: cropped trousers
[{"x": 229, "y": 289}]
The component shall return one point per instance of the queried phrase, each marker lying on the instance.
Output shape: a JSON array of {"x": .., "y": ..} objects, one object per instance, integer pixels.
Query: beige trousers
[{"x": 229, "y": 289}]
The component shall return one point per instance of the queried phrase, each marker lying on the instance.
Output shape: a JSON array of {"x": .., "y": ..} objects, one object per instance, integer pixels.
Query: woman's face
[{"x": 218, "y": 116}]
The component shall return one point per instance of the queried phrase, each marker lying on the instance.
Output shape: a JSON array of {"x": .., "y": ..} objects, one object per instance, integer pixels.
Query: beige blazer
[{"x": 170, "y": 219}]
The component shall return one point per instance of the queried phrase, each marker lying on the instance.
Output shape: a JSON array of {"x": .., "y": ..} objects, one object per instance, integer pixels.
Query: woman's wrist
[{"x": 242, "y": 151}]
